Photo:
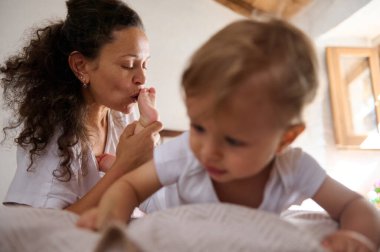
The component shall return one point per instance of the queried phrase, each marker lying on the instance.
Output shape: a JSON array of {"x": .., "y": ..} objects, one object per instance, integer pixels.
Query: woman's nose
[{"x": 139, "y": 77}]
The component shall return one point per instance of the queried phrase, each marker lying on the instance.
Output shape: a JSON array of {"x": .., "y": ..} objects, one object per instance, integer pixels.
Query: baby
[
  {"x": 244, "y": 91},
  {"x": 148, "y": 113}
]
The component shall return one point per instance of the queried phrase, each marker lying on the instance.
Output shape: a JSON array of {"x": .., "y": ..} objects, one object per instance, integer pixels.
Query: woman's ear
[
  {"x": 290, "y": 135},
  {"x": 77, "y": 63}
]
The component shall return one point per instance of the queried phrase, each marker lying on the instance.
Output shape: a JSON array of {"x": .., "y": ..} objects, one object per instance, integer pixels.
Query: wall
[
  {"x": 321, "y": 15},
  {"x": 175, "y": 29},
  {"x": 357, "y": 169}
]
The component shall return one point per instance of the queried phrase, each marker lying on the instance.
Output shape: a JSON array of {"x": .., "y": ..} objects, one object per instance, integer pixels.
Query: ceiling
[
  {"x": 283, "y": 8},
  {"x": 365, "y": 24}
]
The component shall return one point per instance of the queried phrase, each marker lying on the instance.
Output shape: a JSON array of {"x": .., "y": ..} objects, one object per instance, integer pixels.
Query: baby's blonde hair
[{"x": 272, "y": 53}]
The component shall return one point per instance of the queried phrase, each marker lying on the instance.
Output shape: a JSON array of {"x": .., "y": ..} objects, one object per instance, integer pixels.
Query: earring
[
  {"x": 83, "y": 80},
  {"x": 84, "y": 85}
]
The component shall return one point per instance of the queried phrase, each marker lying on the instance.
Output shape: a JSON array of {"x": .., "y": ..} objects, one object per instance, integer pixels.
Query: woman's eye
[
  {"x": 145, "y": 66},
  {"x": 197, "y": 128},
  {"x": 127, "y": 67},
  {"x": 233, "y": 142}
]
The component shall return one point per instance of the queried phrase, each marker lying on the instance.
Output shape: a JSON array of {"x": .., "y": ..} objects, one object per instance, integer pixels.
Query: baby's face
[{"x": 240, "y": 139}]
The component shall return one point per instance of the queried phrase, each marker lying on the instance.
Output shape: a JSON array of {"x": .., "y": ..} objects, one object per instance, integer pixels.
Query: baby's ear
[{"x": 290, "y": 135}]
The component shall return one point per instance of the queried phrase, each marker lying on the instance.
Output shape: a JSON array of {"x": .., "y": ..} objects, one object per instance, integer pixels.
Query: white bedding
[{"x": 206, "y": 227}]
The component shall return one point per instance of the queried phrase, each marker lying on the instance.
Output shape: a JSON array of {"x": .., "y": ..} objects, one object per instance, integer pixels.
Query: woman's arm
[
  {"x": 354, "y": 214},
  {"x": 122, "y": 197},
  {"x": 133, "y": 150}
]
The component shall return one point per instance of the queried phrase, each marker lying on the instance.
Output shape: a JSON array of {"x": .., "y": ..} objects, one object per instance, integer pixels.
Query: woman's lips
[{"x": 135, "y": 97}]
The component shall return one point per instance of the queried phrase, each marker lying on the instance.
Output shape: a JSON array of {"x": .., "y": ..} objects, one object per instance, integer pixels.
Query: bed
[{"x": 199, "y": 227}]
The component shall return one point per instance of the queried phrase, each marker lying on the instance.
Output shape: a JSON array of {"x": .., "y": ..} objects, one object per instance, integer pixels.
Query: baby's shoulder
[
  {"x": 177, "y": 148},
  {"x": 294, "y": 159}
]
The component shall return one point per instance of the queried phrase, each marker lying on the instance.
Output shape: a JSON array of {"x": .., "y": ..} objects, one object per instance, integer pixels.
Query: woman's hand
[
  {"x": 134, "y": 149},
  {"x": 348, "y": 241}
]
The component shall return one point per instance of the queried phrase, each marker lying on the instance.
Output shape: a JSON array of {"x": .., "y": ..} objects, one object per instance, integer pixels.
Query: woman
[{"x": 72, "y": 90}]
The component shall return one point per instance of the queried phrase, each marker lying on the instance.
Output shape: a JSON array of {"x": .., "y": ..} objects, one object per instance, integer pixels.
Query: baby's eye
[
  {"x": 197, "y": 128},
  {"x": 234, "y": 142}
]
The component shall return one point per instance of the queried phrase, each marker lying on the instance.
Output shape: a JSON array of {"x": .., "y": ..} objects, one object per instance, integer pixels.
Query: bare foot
[
  {"x": 148, "y": 114},
  {"x": 147, "y": 106},
  {"x": 105, "y": 161}
]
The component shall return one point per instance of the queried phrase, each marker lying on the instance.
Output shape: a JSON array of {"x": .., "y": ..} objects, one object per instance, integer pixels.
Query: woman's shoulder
[{"x": 48, "y": 159}]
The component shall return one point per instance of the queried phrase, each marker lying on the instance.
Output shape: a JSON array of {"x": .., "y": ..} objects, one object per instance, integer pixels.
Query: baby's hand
[
  {"x": 346, "y": 240},
  {"x": 96, "y": 219},
  {"x": 105, "y": 161},
  {"x": 89, "y": 219}
]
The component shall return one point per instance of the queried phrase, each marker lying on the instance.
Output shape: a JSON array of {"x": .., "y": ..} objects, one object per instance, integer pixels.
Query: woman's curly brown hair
[{"x": 41, "y": 90}]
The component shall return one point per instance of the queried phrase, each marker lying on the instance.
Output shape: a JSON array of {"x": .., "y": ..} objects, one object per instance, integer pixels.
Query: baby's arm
[
  {"x": 148, "y": 114},
  {"x": 359, "y": 221},
  {"x": 122, "y": 197}
]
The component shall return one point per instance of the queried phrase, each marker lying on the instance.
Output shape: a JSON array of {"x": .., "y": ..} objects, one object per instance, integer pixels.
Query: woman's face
[{"x": 118, "y": 73}]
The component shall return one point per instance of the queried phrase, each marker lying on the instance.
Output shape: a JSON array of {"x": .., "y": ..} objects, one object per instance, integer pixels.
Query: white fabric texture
[
  {"x": 39, "y": 188},
  {"x": 42, "y": 230},
  {"x": 219, "y": 227},
  {"x": 199, "y": 227},
  {"x": 295, "y": 176}
]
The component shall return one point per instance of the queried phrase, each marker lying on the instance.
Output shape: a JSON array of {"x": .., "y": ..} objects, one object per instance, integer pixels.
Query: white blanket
[{"x": 205, "y": 227}]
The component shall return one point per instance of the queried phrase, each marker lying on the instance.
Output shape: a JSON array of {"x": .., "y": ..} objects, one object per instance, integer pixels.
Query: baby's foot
[
  {"x": 105, "y": 161},
  {"x": 147, "y": 106}
]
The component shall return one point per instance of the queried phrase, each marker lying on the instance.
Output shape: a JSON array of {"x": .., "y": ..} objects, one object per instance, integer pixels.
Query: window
[{"x": 355, "y": 95}]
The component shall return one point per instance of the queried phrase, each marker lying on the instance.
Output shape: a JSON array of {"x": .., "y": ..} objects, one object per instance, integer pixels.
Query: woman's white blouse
[{"x": 39, "y": 188}]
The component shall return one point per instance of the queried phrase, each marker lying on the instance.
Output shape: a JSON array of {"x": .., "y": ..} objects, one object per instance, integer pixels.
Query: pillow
[
  {"x": 199, "y": 227},
  {"x": 218, "y": 227},
  {"x": 44, "y": 230}
]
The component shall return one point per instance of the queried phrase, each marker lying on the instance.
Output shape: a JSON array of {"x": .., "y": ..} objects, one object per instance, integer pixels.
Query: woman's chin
[{"x": 126, "y": 109}]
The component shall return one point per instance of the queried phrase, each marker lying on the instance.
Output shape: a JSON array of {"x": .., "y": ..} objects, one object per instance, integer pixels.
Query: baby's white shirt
[
  {"x": 39, "y": 188},
  {"x": 295, "y": 176}
]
